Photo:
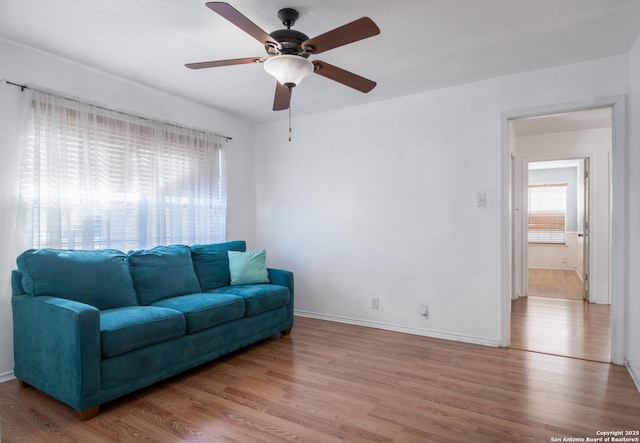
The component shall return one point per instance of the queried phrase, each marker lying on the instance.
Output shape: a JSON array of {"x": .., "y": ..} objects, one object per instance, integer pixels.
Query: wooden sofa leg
[
  {"x": 23, "y": 384},
  {"x": 286, "y": 331},
  {"x": 82, "y": 415},
  {"x": 89, "y": 413}
]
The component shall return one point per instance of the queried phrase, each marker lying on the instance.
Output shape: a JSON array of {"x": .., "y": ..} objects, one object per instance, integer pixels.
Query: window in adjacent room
[{"x": 547, "y": 213}]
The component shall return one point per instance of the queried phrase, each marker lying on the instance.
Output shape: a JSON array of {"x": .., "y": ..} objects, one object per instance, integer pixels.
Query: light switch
[{"x": 482, "y": 199}]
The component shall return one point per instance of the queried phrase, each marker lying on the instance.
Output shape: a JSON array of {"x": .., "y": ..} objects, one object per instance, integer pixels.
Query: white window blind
[
  {"x": 547, "y": 213},
  {"x": 94, "y": 178}
]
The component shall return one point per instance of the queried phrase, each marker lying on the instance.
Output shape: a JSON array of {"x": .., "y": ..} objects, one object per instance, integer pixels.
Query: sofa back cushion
[
  {"x": 162, "y": 272},
  {"x": 99, "y": 278},
  {"x": 212, "y": 263}
]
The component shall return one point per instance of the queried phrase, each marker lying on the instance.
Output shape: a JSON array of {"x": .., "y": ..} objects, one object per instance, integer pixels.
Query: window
[
  {"x": 94, "y": 178},
  {"x": 547, "y": 213}
]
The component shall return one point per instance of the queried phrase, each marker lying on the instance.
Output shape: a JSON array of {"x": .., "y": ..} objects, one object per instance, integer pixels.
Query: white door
[{"x": 583, "y": 237}]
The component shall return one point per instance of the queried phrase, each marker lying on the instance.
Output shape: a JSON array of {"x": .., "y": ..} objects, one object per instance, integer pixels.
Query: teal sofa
[{"x": 91, "y": 326}]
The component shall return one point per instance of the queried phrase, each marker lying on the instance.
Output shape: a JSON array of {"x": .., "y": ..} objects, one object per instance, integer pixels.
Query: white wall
[
  {"x": 24, "y": 65},
  {"x": 380, "y": 200},
  {"x": 632, "y": 345},
  {"x": 567, "y": 256},
  {"x": 596, "y": 144}
]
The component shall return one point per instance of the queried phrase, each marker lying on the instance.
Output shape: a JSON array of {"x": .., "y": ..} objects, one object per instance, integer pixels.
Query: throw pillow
[{"x": 248, "y": 268}]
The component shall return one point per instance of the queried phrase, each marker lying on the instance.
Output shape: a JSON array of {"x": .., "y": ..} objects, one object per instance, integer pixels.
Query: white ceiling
[
  {"x": 554, "y": 164},
  {"x": 568, "y": 121},
  {"x": 423, "y": 45}
]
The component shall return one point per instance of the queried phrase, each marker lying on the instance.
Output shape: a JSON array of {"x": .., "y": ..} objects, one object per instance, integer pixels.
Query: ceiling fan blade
[
  {"x": 342, "y": 76},
  {"x": 231, "y": 62},
  {"x": 282, "y": 99},
  {"x": 351, "y": 32},
  {"x": 218, "y": 63},
  {"x": 237, "y": 18}
]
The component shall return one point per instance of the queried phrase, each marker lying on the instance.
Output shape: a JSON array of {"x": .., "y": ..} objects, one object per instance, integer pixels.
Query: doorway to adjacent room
[{"x": 560, "y": 195}]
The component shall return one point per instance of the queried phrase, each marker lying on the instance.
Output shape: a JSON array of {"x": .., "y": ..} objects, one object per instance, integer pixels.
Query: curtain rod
[{"x": 23, "y": 87}]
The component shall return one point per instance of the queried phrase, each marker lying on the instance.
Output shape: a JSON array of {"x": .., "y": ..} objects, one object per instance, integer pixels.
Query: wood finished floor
[
  {"x": 330, "y": 382},
  {"x": 571, "y": 328},
  {"x": 556, "y": 283},
  {"x": 555, "y": 319}
]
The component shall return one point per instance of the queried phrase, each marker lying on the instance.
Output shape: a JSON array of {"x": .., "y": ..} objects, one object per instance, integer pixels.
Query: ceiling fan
[{"x": 288, "y": 51}]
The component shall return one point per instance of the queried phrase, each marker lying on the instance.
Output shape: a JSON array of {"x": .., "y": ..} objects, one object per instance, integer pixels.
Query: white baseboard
[
  {"x": 6, "y": 376},
  {"x": 635, "y": 374},
  {"x": 397, "y": 328}
]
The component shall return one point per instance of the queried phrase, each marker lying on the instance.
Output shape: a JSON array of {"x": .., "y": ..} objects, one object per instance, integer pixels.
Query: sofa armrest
[
  {"x": 57, "y": 347},
  {"x": 16, "y": 283},
  {"x": 284, "y": 278},
  {"x": 281, "y": 277}
]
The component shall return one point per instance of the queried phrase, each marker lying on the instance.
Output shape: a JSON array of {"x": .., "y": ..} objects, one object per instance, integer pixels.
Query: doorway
[
  {"x": 557, "y": 210},
  {"x": 561, "y": 297}
]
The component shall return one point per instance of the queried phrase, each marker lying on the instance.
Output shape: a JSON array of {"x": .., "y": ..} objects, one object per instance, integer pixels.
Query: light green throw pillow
[{"x": 248, "y": 268}]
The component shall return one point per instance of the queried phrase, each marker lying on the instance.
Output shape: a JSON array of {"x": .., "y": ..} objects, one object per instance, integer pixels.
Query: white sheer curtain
[{"x": 95, "y": 178}]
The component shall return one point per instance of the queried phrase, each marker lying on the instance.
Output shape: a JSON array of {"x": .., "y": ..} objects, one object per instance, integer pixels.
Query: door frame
[
  {"x": 617, "y": 213},
  {"x": 587, "y": 210}
]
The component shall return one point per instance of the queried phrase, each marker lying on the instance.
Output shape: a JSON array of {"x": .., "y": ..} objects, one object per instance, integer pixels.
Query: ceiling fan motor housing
[
  {"x": 290, "y": 43},
  {"x": 290, "y": 40}
]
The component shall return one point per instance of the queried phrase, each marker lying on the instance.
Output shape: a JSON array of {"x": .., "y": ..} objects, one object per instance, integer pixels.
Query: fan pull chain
[
  {"x": 289, "y": 122},
  {"x": 290, "y": 94}
]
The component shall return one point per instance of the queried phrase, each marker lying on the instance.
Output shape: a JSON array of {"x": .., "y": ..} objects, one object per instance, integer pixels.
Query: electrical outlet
[
  {"x": 374, "y": 303},
  {"x": 424, "y": 310}
]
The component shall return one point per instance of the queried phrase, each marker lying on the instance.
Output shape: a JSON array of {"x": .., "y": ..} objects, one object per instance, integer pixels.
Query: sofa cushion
[
  {"x": 162, "y": 272},
  {"x": 258, "y": 298},
  {"x": 125, "y": 329},
  {"x": 203, "y": 311},
  {"x": 98, "y": 278},
  {"x": 212, "y": 263},
  {"x": 248, "y": 268}
]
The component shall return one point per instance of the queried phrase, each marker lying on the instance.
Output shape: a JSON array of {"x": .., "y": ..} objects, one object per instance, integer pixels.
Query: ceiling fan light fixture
[{"x": 288, "y": 69}]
